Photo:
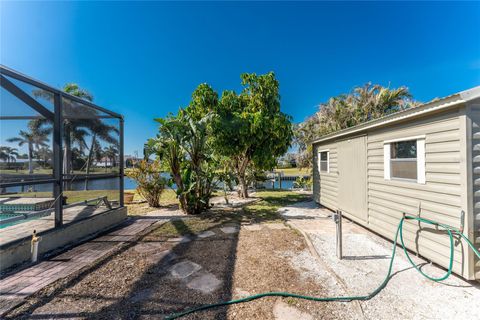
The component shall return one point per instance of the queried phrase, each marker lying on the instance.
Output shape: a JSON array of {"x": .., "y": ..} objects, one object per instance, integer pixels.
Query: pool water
[{"x": 4, "y": 216}]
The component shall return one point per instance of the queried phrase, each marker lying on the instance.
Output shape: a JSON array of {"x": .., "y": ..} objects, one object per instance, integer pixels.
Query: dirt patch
[{"x": 262, "y": 266}]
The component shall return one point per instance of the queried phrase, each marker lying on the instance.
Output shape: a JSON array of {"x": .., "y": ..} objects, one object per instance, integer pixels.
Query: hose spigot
[{"x": 34, "y": 246}]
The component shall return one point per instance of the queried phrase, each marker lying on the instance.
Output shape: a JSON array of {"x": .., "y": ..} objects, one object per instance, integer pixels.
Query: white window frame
[
  {"x": 420, "y": 159},
  {"x": 320, "y": 159}
]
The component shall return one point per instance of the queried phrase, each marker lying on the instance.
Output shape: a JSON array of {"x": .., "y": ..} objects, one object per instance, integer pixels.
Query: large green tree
[{"x": 249, "y": 127}]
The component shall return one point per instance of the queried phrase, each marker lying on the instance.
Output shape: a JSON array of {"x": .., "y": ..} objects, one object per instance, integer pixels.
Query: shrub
[
  {"x": 150, "y": 183},
  {"x": 302, "y": 183}
]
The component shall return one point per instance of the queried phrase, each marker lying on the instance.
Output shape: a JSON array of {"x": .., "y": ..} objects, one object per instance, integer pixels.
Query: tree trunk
[
  {"x": 181, "y": 197},
  {"x": 243, "y": 191},
  {"x": 89, "y": 159},
  {"x": 30, "y": 158},
  {"x": 241, "y": 167}
]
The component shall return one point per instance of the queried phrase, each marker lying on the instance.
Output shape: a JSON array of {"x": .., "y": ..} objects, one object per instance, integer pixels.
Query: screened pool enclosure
[{"x": 61, "y": 157}]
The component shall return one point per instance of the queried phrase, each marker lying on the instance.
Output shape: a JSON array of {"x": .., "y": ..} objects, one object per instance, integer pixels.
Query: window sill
[{"x": 405, "y": 180}]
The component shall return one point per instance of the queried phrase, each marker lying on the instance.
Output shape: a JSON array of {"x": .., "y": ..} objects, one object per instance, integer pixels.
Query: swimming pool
[
  {"x": 10, "y": 219},
  {"x": 8, "y": 216}
]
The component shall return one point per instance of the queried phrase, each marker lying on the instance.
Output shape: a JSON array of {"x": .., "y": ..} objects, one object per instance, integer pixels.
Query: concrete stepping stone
[
  {"x": 146, "y": 247},
  {"x": 229, "y": 230},
  {"x": 282, "y": 311},
  {"x": 206, "y": 234},
  {"x": 184, "y": 269},
  {"x": 204, "y": 282},
  {"x": 180, "y": 239}
]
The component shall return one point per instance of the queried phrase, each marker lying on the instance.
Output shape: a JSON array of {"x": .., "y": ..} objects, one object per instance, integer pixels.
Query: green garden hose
[{"x": 450, "y": 230}]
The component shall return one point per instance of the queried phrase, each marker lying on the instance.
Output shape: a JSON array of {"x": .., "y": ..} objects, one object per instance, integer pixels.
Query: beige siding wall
[
  {"x": 440, "y": 198},
  {"x": 325, "y": 187},
  {"x": 475, "y": 145}
]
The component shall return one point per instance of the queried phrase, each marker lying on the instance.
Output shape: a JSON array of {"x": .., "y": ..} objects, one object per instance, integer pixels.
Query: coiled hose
[{"x": 450, "y": 231}]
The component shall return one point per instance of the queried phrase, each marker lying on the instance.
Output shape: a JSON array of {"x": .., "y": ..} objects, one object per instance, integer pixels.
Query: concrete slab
[
  {"x": 184, "y": 269},
  {"x": 180, "y": 239},
  {"x": 364, "y": 266},
  {"x": 205, "y": 282},
  {"x": 229, "y": 230},
  {"x": 282, "y": 311},
  {"x": 206, "y": 234}
]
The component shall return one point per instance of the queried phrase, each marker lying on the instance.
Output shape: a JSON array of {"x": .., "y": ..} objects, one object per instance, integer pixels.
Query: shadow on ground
[{"x": 178, "y": 265}]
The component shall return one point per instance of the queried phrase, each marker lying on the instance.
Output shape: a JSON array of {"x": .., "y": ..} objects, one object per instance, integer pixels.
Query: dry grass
[{"x": 140, "y": 207}]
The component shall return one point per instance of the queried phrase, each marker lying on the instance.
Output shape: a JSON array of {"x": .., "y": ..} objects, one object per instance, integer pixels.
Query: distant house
[
  {"x": 425, "y": 160},
  {"x": 104, "y": 162},
  {"x": 130, "y": 160}
]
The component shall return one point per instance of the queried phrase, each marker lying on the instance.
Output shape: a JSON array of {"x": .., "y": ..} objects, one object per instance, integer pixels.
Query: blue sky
[{"x": 144, "y": 59}]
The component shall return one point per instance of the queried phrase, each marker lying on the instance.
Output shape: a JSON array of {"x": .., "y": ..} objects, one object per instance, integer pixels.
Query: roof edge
[
  {"x": 432, "y": 106},
  {"x": 470, "y": 94}
]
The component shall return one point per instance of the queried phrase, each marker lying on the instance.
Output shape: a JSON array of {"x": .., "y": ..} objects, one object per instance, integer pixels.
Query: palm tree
[
  {"x": 75, "y": 90},
  {"x": 74, "y": 129},
  {"x": 365, "y": 103},
  {"x": 8, "y": 154},
  {"x": 111, "y": 153},
  {"x": 35, "y": 137},
  {"x": 104, "y": 132},
  {"x": 44, "y": 153},
  {"x": 375, "y": 101}
]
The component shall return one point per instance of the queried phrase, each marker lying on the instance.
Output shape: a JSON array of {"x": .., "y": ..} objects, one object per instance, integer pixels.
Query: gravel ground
[
  {"x": 134, "y": 284},
  {"x": 138, "y": 282},
  {"x": 186, "y": 263},
  {"x": 190, "y": 262},
  {"x": 408, "y": 295}
]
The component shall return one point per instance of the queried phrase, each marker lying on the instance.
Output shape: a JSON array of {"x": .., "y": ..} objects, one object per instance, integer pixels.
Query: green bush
[
  {"x": 303, "y": 183},
  {"x": 150, "y": 183}
]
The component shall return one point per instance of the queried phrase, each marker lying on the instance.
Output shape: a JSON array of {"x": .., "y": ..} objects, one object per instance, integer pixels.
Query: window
[
  {"x": 405, "y": 159},
  {"x": 323, "y": 159}
]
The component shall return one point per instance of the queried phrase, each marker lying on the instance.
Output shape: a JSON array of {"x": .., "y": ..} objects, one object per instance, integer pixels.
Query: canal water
[{"x": 129, "y": 184}]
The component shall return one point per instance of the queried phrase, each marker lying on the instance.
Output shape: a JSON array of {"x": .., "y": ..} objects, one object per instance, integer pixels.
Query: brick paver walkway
[{"x": 18, "y": 286}]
